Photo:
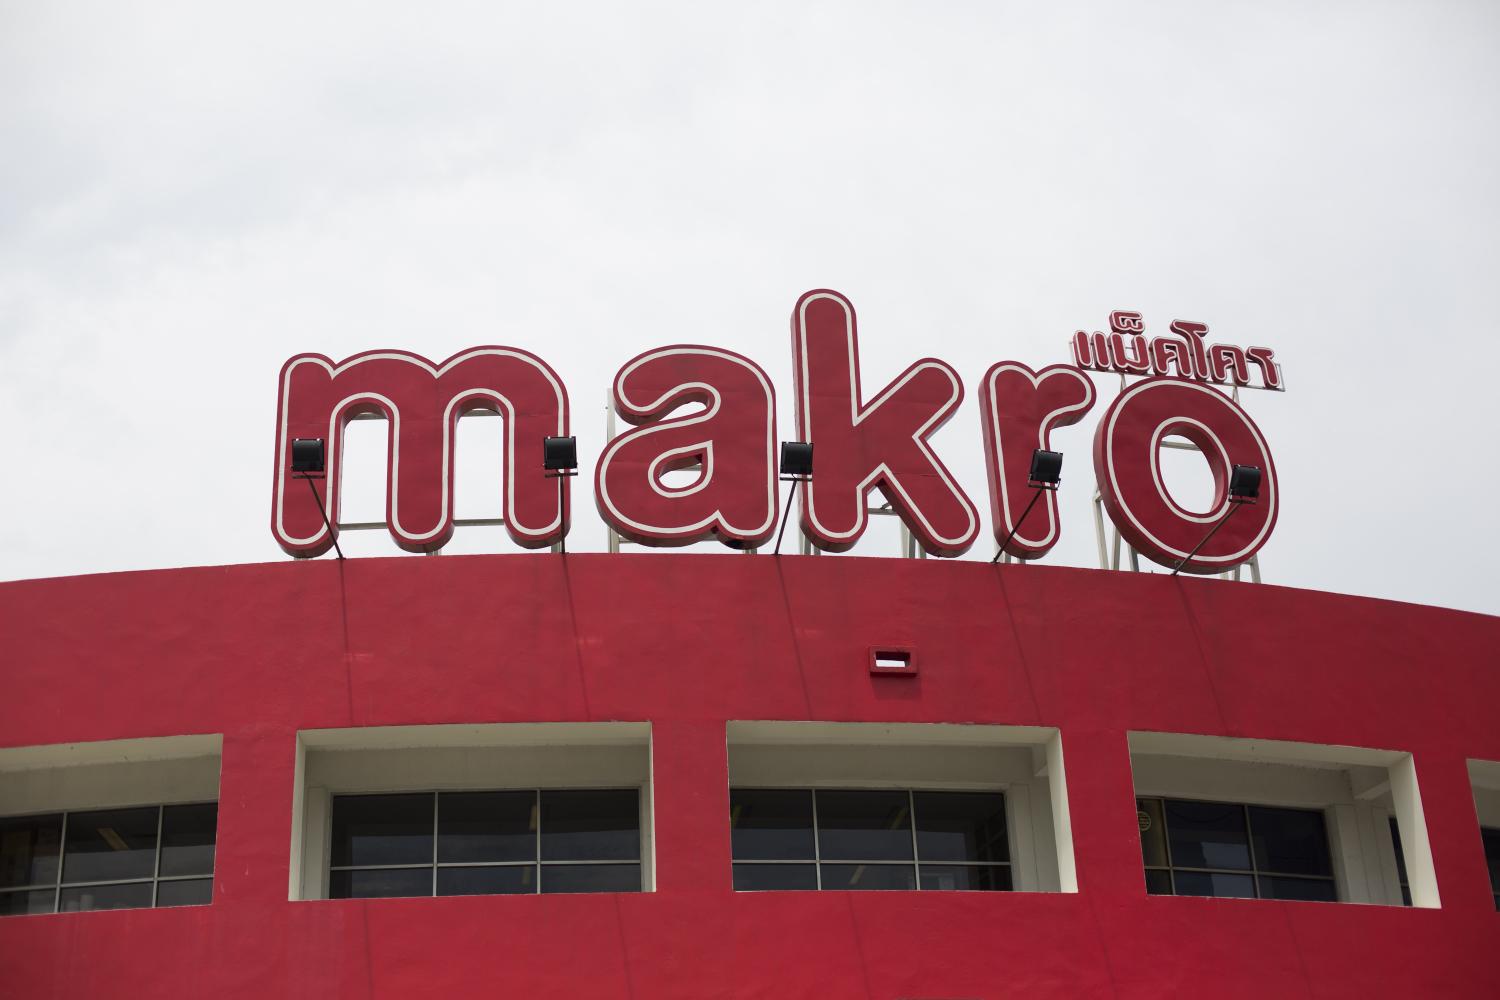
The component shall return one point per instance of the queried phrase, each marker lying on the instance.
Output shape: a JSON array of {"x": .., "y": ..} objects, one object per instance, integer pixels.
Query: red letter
[
  {"x": 1019, "y": 409},
  {"x": 421, "y": 403},
  {"x": 733, "y": 441},
  {"x": 858, "y": 448},
  {"x": 1127, "y": 452}
]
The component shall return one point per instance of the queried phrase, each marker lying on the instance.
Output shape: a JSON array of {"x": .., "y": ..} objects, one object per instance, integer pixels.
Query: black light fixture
[
  {"x": 1046, "y": 468},
  {"x": 307, "y": 455},
  {"x": 1244, "y": 484},
  {"x": 796, "y": 467},
  {"x": 1244, "y": 487},
  {"x": 560, "y": 455},
  {"x": 1045, "y": 475},
  {"x": 559, "y": 461},
  {"x": 796, "y": 459},
  {"x": 309, "y": 462}
]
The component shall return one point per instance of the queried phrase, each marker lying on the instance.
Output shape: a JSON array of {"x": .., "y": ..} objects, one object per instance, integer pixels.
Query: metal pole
[
  {"x": 1036, "y": 495},
  {"x": 786, "y": 513},
  {"x": 319, "y": 501},
  {"x": 1230, "y": 513}
]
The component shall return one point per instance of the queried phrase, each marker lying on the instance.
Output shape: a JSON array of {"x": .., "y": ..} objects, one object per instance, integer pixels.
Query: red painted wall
[{"x": 691, "y": 641}]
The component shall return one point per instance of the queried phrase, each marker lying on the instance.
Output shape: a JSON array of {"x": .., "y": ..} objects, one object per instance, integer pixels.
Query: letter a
[
  {"x": 732, "y": 443},
  {"x": 859, "y": 447}
]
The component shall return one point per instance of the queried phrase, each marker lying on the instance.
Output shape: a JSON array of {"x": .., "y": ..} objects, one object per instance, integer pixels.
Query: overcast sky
[{"x": 190, "y": 194}]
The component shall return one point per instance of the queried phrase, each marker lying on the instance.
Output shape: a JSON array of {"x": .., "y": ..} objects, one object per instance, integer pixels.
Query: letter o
[{"x": 1127, "y": 463}]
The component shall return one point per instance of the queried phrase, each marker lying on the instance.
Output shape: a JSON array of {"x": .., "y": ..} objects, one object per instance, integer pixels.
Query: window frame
[
  {"x": 1254, "y": 871},
  {"x": 915, "y": 864},
  {"x": 538, "y": 862},
  {"x": 155, "y": 880}
]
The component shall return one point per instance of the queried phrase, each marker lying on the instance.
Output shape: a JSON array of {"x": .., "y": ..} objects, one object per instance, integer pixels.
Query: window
[
  {"x": 1241, "y": 851},
  {"x": 1492, "y": 855},
  {"x": 1484, "y": 777},
  {"x": 1269, "y": 819},
  {"x": 108, "y": 859},
  {"x": 868, "y": 839},
  {"x": 484, "y": 843},
  {"x": 472, "y": 809},
  {"x": 918, "y": 806}
]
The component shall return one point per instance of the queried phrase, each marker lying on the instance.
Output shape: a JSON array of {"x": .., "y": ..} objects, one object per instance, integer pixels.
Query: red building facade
[{"x": 689, "y": 645}]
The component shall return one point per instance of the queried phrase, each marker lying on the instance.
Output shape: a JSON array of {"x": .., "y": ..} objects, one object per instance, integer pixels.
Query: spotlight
[
  {"x": 796, "y": 459},
  {"x": 309, "y": 463},
  {"x": 307, "y": 455},
  {"x": 796, "y": 466},
  {"x": 1045, "y": 474},
  {"x": 1046, "y": 468},
  {"x": 560, "y": 455},
  {"x": 1244, "y": 484},
  {"x": 559, "y": 461},
  {"x": 1244, "y": 487}
]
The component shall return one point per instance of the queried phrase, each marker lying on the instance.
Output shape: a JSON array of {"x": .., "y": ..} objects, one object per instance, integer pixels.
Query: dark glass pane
[
  {"x": 864, "y": 826},
  {"x": 185, "y": 892},
  {"x": 1214, "y": 884},
  {"x": 1492, "y": 855},
  {"x": 379, "y": 882},
  {"x": 187, "y": 839},
  {"x": 382, "y": 830},
  {"x": 35, "y": 901},
  {"x": 1317, "y": 889},
  {"x": 1159, "y": 883},
  {"x": 600, "y": 825},
  {"x": 110, "y": 844},
  {"x": 506, "y": 879},
  {"x": 1207, "y": 835},
  {"x": 486, "y": 826},
  {"x": 765, "y": 878},
  {"x": 961, "y": 826},
  {"x": 971, "y": 877},
  {"x": 771, "y": 823},
  {"x": 1405, "y": 896},
  {"x": 591, "y": 878},
  {"x": 1400, "y": 856},
  {"x": 1293, "y": 841},
  {"x": 28, "y": 850},
  {"x": 1148, "y": 819},
  {"x": 869, "y": 877},
  {"x": 105, "y": 897}
]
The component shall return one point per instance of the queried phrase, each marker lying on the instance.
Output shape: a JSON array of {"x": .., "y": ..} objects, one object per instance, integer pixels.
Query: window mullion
[
  {"x": 536, "y": 804},
  {"x": 156, "y": 870},
  {"x": 1250, "y": 848},
  {"x": 911, "y": 815},
  {"x": 62, "y": 857},
  {"x": 1166, "y": 845},
  {"x": 434, "y": 841},
  {"x": 817, "y": 840}
]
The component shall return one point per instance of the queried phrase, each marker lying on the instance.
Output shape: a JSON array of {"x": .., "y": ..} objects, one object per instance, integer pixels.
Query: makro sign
[{"x": 864, "y": 441}]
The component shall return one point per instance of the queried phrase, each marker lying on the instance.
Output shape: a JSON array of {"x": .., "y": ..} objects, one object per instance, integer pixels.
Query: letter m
[{"x": 421, "y": 403}]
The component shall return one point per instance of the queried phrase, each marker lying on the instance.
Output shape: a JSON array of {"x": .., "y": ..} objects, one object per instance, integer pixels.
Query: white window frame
[
  {"x": 528, "y": 756},
  {"x": 1484, "y": 778},
  {"x": 147, "y": 773},
  {"x": 1023, "y": 762},
  {"x": 1357, "y": 789}
]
